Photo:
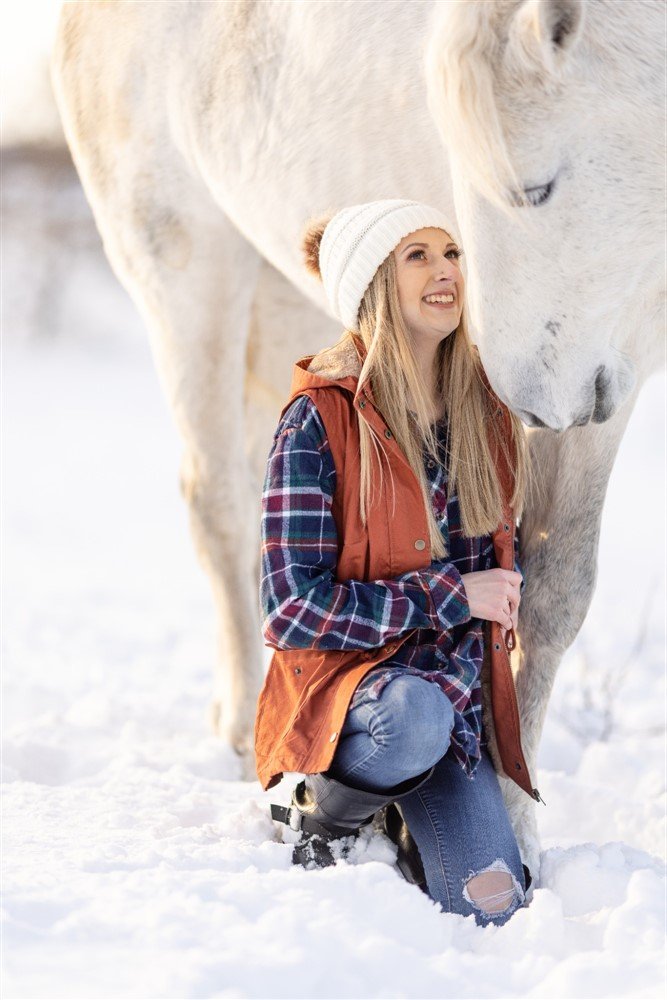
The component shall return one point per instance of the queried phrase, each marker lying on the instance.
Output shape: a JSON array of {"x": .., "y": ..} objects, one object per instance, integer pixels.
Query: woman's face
[{"x": 430, "y": 282}]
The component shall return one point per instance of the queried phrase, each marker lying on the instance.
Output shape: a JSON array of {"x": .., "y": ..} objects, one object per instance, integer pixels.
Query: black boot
[
  {"x": 325, "y": 809},
  {"x": 408, "y": 861}
]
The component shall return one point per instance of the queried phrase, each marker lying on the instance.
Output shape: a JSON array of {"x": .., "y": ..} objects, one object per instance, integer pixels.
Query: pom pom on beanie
[{"x": 310, "y": 244}]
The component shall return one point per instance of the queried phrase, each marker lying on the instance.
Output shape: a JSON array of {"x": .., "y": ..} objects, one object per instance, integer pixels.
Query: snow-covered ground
[{"x": 137, "y": 865}]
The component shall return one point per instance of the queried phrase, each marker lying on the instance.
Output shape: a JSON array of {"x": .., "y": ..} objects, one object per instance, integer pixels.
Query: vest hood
[
  {"x": 337, "y": 365},
  {"x": 341, "y": 361},
  {"x": 341, "y": 365}
]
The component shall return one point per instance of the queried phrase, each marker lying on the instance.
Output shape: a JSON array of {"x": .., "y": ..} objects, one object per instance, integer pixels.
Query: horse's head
[{"x": 552, "y": 114}]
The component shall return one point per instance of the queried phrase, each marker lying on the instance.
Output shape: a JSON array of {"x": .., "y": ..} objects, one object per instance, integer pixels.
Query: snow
[{"x": 137, "y": 864}]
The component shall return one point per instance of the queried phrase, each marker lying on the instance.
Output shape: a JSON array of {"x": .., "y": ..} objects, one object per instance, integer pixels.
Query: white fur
[{"x": 206, "y": 134}]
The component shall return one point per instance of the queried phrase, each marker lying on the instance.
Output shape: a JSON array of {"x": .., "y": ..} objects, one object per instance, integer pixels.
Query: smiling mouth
[{"x": 441, "y": 300}]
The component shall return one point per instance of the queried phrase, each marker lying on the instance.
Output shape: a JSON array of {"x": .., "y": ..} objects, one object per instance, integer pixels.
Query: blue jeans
[{"x": 459, "y": 824}]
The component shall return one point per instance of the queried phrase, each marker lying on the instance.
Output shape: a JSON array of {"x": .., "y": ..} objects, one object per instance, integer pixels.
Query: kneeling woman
[{"x": 389, "y": 564}]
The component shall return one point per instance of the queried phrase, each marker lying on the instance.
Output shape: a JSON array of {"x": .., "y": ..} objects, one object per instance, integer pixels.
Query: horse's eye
[{"x": 533, "y": 196}]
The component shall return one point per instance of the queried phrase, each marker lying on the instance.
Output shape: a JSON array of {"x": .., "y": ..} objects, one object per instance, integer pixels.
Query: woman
[{"x": 391, "y": 488}]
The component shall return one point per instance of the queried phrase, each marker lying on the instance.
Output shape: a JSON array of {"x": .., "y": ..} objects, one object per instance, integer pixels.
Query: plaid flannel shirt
[{"x": 302, "y": 606}]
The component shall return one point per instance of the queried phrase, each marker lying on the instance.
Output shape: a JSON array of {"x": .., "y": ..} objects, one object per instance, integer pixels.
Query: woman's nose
[
  {"x": 445, "y": 267},
  {"x": 445, "y": 270}
]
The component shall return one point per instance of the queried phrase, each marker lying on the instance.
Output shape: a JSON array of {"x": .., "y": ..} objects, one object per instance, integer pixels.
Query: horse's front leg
[
  {"x": 195, "y": 278},
  {"x": 559, "y": 537}
]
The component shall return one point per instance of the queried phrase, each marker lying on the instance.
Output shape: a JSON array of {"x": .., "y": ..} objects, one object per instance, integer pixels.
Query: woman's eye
[{"x": 457, "y": 253}]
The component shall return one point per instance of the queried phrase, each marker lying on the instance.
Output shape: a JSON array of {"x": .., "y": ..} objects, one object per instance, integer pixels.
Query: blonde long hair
[{"x": 470, "y": 409}]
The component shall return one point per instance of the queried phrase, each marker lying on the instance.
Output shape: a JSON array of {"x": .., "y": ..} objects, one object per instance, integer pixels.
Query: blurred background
[{"x": 57, "y": 284}]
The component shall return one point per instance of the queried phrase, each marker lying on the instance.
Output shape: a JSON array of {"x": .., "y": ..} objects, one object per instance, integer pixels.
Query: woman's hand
[{"x": 495, "y": 595}]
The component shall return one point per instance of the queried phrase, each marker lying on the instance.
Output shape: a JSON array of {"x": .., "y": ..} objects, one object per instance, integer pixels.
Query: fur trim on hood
[{"x": 338, "y": 361}]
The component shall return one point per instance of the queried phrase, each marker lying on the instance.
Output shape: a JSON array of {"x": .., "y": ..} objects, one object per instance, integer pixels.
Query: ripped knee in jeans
[{"x": 494, "y": 889}]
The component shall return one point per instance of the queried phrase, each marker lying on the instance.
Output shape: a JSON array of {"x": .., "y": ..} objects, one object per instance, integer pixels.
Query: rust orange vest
[{"x": 306, "y": 693}]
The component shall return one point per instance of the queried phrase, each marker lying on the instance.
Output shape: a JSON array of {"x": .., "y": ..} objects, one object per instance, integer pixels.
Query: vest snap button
[
  {"x": 517, "y": 765},
  {"x": 362, "y": 403},
  {"x": 388, "y": 433},
  {"x": 333, "y": 737},
  {"x": 506, "y": 527},
  {"x": 420, "y": 544},
  {"x": 297, "y": 670},
  {"x": 496, "y": 645}
]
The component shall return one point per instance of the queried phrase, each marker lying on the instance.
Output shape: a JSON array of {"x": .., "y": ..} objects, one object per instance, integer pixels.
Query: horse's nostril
[
  {"x": 531, "y": 419},
  {"x": 601, "y": 382}
]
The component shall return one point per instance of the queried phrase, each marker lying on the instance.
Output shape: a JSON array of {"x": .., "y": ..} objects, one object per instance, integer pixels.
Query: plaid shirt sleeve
[{"x": 302, "y": 606}]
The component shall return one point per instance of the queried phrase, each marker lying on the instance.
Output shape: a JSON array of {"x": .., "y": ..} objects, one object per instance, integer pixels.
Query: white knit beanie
[{"x": 357, "y": 240}]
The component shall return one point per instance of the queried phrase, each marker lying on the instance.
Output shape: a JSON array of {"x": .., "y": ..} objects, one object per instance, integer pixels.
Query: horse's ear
[
  {"x": 546, "y": 31},
  {"x": 310, "y": 243}
]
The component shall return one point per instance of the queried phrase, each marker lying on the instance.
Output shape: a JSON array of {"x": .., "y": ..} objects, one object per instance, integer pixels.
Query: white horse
[{"x": 206, "y": 134}]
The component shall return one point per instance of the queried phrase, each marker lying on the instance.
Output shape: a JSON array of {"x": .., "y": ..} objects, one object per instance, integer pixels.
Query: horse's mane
[{"x": 469, "y": 42}]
